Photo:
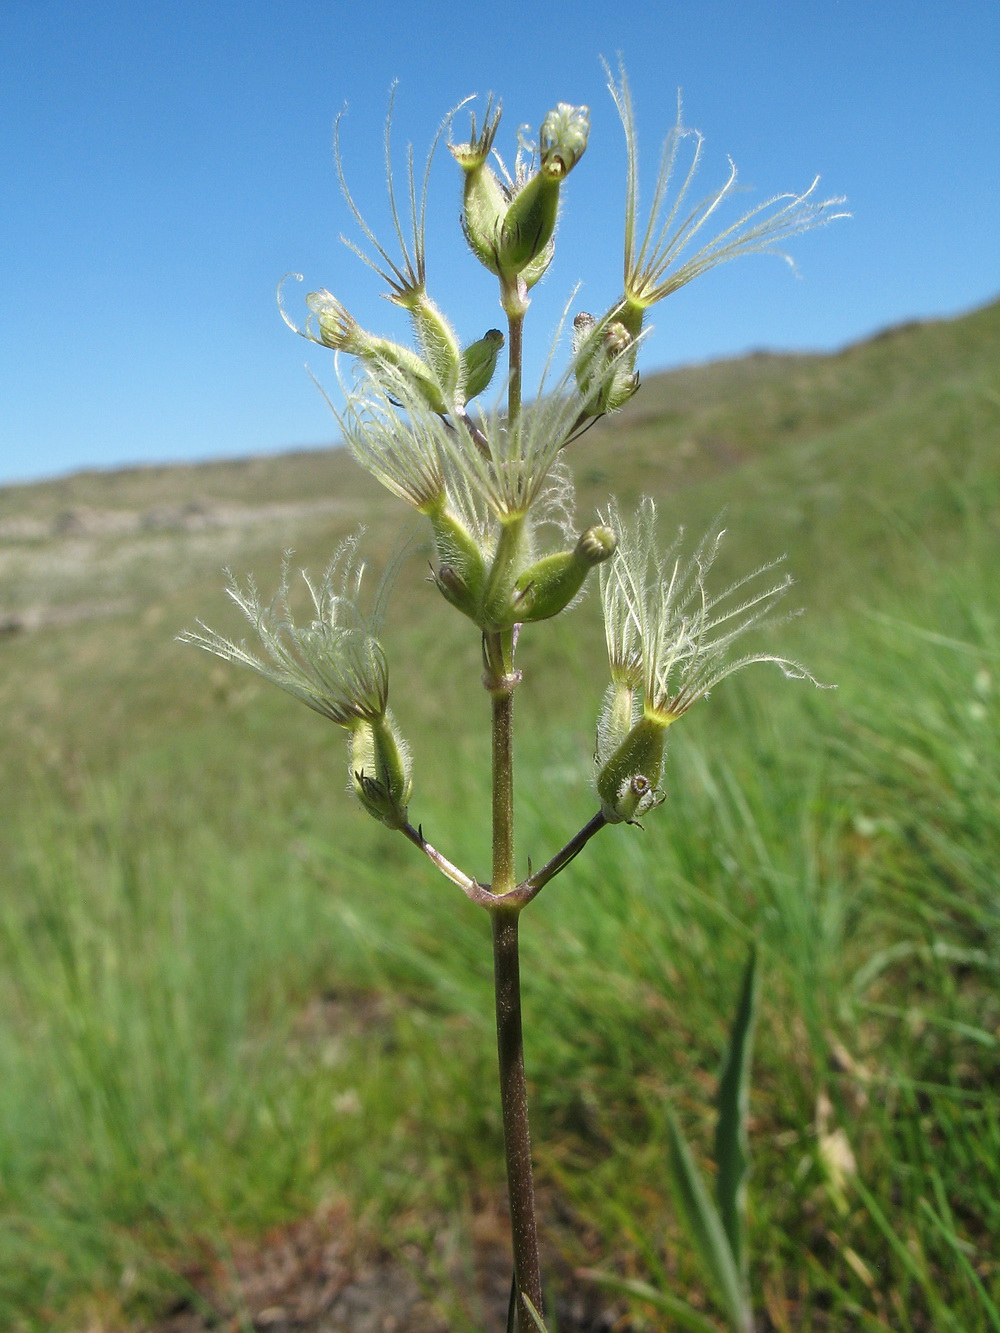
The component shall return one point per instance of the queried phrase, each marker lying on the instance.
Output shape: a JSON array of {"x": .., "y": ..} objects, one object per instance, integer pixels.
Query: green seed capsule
[
  {"x": 627, "y": 781},
  {"x": 530, "y": 220},
  {"x": 484, "y": 199},
  {"x": 500, "y": 602},
  {"x": 529, "y": 223}
]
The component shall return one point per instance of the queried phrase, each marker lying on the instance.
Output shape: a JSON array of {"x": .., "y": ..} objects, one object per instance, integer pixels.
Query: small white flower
[
  {"x": 665, "y": 631},
  {"x": 404, "y": 454},
  {"x": 652, "y": 270},
  {"x": 484, "y": 463},
  {"x": 334, "y": 663}
]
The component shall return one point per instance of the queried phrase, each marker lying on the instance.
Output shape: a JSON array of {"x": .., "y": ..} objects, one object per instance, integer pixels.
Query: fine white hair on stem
[
  {"x": 665, "y": 630},
  {"x": 334, "y": 662},
  {"x": 674, "y": 224}
]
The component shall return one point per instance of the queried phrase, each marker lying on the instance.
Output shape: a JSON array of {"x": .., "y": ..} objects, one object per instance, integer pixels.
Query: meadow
[{"x": 232, "y": 1002}]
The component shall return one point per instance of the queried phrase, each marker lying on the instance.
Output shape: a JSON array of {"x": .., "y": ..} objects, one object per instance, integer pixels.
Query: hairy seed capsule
[
  {"x": 626, "y": 783},
  {"x": 380, "y": 771}
]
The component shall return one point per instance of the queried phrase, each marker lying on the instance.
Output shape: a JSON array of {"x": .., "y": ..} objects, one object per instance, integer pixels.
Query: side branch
[
  {"x": 470, "y": 887},
  {"x": 533, "y": 885}
]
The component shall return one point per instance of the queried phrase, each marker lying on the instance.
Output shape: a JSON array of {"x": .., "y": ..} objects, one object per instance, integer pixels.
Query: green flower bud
[
  {"x": 563, "y": 138},
  {"x": 380, "y": 770},
  {"x": 549, "y": 585},
  {"x": 461, "y": 571},
  {"x": 437, "y": 341},
  {"x": 485, "y": 200},
  {"x": 341, "y": 332},
  {"x": 531, "y": 218},
  {"x": 479, "y": 362},
  {"x": 627, "y": 781}
]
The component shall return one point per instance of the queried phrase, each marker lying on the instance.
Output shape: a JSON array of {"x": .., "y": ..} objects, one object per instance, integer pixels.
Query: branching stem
[{"x": 536, "y": 882}]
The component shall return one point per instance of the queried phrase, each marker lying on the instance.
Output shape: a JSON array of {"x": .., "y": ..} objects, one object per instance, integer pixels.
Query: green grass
[{"x": 210, "y": 960}]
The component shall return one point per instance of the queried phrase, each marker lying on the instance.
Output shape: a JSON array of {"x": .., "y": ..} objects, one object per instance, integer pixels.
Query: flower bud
[
  {"x": 627, "y": 781},
  {"x": 531, "y": 218},
  {"x": 563, "y": 138},
  {"x": 484, "y": 198},
  {"x": 380, "y": 770},
  {"x": 461, "y": 571},
  {"x": 341, "y": 332},
  {"x": 549, "y": 585},
  {"x": 479, "y": 362}
]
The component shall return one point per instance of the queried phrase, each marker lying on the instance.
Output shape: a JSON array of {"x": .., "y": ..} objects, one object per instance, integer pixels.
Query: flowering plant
[{"x": 492, "y": 484}]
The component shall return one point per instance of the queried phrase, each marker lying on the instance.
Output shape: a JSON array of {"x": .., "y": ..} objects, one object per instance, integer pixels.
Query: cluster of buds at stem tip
[
  {"x": 505, "y": 591},
  {"x": 510, "y": 224}
]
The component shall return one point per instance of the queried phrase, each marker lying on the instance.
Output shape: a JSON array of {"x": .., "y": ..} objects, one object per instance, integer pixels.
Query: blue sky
[{"x": 162, "y": 165}]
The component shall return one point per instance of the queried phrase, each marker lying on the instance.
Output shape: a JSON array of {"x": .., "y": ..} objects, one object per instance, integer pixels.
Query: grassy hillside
[{"x": 232, "y": 1002}]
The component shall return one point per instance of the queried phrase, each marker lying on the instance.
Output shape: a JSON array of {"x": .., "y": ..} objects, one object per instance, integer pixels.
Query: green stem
[
  {"x": 536, "y": 882},
  {"x": 503, "y": 789},
  {"x": 515, "y": 344},
  {"x": 514, "y": 1105}
]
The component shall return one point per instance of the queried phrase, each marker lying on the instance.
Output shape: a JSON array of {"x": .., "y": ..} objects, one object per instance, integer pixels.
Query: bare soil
[{"x": 318, "y": 1276}]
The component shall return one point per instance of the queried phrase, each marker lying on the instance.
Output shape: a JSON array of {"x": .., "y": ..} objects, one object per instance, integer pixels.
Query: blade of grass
[
  {"x": 908, "y": 1260},
  {"x": 706, "y": 1228},
  {"x": 948, "y": 1234},
  {"x": 731, "y": 1144},
  {"x": 684, "y": 1315},
  {"x": 536, "y": 1317}
]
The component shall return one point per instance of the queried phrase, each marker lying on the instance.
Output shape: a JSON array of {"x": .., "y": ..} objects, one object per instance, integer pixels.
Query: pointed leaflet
[
  {"x": 731, "y": 1147},
  {"x": 708, "y": 1233}
]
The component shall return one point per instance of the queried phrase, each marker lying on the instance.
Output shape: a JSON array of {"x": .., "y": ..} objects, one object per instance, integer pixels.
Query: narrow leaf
[
  {"x": 685, "y": 1316},
  {"x": 992, "y": 1313},
  {"x": 943, "y": 1317},
  {"x": 512, "y": 1305},
  {"x": 707, "y": 1232},
  {"x": 539, "y": 1325},
  {"x": 732, "y": 1157}
]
